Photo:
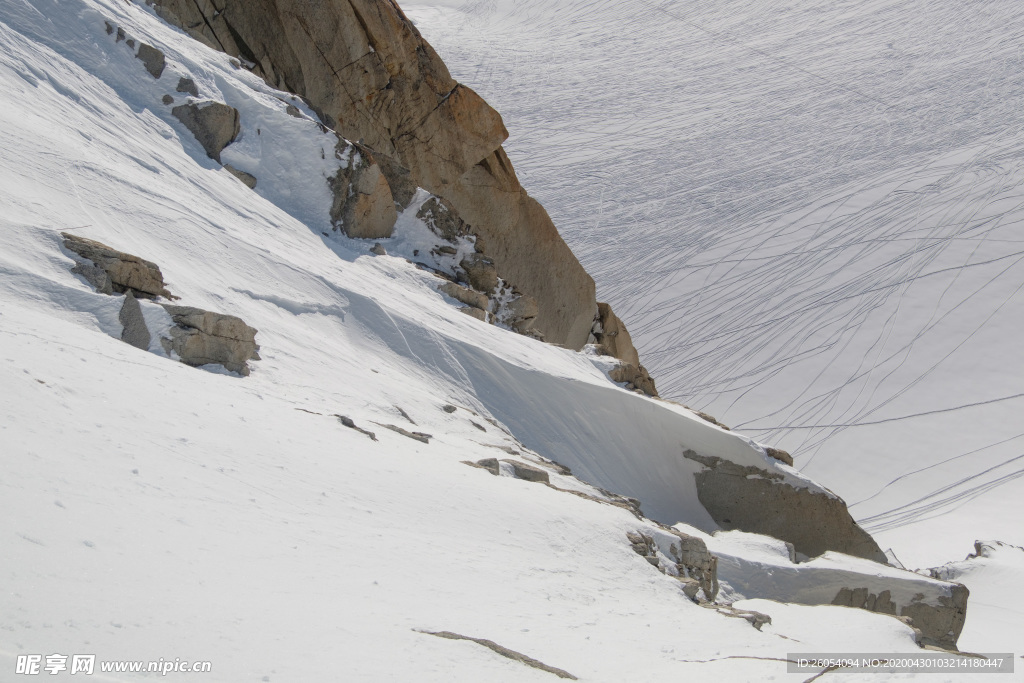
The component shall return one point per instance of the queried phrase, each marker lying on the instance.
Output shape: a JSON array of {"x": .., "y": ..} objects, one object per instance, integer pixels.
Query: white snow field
[
  {"x": 151, "y": 511},
  {"x": 810, "y": 215}
]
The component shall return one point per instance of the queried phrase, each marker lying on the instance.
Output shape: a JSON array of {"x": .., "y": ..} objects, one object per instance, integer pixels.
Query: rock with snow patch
[
  {"x": 780, "y": 455},
  {"x": 443, "y": 220},
  {"x": 480, "y": 273},
  {"x": 940, "y": 624},
  {"x": 761, "y": 501},
  {"x": 362, "y": 206}
]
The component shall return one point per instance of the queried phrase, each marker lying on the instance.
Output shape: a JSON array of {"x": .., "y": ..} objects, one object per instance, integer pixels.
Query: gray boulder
[
  {"x": 152, "y": 58},
  {"x": 202, "y": 337},
  {"x": 528, "y": 472},
  {"x": 135, "y": 331},
  {"x": 214, "y": 125},
  {"x": 116, "y": 271},
  {"x": 187, "y": 85},
  {"x": 761, "y": 501}
]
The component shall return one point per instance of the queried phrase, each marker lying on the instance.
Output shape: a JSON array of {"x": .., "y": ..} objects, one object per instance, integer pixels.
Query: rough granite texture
[{"x": 365, "y": 68}]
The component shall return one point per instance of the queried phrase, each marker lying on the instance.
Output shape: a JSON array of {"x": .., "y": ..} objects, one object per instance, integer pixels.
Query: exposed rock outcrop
[
  {"x": 116, "y": 271},
  {"x": 940, "y": 624},
  {"x": 202, "y": 338},
  {"x": 528, "y": 472},
  {"x": 366, "y": 70},
  {"x": 611, "y": 334},
  {"x": 760, "y": 501},
  {"x": 692, "y": 563},
  {"x": 934, "y": 608},
  {"x": 442, "y": 219},
  {"x": 197, "y": 338},
  {"x": 636, "y": 378},
  {"x": 479, "y": 272},
  {"x": 214, "y": 125},
  {"x": 363, "y": 206},
  {"x": 505, "y": 652},
  {"x": 780, "y": 455},
  {"x": 465, "y": 295}
]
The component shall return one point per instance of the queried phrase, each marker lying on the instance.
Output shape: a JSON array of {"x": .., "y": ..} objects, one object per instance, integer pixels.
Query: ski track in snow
[
  {"x": 153, "y": 510},
  {"x": 810, "y": 215}
]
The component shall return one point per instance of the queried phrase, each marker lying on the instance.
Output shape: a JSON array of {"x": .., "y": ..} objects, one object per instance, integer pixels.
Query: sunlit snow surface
[
  {"x": 811, "y": 216},
  {"x": 151, "y": 510}
]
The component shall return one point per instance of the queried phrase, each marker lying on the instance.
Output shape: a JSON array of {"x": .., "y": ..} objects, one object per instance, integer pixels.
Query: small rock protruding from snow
[
  {"x": 350, "y": 423},
  {"x": 248, "y": 179},
  {"x": 187, "y": 85},
  {"x": 780, "y": 455},
  {"x": 214, "y": 125},
  {"x": 152, "y": 59},
  {"x": 528, "y": 472}
]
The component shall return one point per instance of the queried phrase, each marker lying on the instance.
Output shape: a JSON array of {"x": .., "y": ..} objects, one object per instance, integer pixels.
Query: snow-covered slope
[
  {"x": 809, "y": 215},
  {"x": 151, "y": 510}
]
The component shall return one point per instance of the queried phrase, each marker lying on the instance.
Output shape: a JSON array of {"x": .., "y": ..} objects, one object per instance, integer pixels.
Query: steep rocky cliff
[{"x": 371, "y": 76}]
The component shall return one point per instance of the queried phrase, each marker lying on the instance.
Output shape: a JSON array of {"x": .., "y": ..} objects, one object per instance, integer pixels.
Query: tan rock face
[
  {"x": 526, "y": 248},
  {"x": 611, "y": 333},
  {"x": 366, "y": 69}
]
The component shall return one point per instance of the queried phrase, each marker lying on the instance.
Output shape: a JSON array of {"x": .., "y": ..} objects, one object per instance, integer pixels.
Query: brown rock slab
[
  {"x": 759, "y": 501},
  {"x": 203, "y": 337},
  {"x": 120, "y": 271}
]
